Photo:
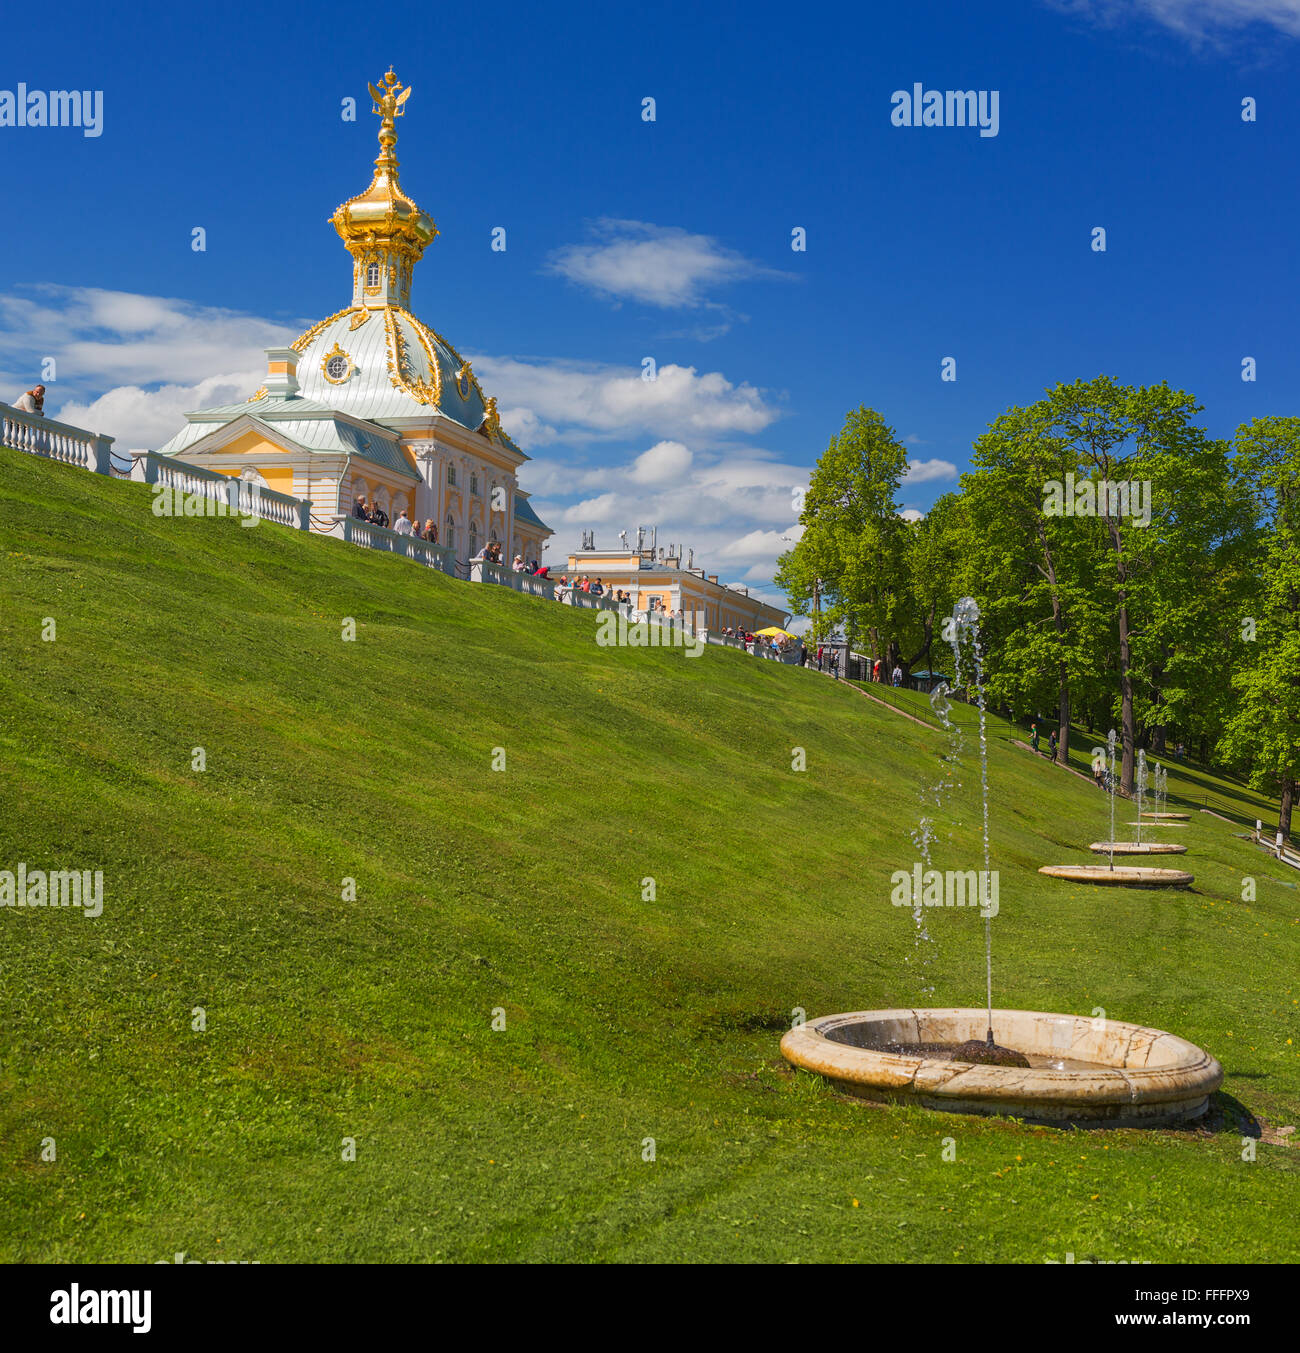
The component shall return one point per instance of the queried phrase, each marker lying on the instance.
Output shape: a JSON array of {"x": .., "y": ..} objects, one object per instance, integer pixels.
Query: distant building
[
  {"x": 658, "y": 581},
  {"x": 372, "y": 401}
]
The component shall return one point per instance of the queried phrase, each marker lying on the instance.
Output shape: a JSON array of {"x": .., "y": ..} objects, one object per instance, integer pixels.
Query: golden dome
[{"x": 382, "y": 223}]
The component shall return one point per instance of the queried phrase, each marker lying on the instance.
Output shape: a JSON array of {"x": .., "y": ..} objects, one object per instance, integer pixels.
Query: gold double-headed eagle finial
[
  {"x": 388, "y": 105},
  {"x": 388, "y": 102}
]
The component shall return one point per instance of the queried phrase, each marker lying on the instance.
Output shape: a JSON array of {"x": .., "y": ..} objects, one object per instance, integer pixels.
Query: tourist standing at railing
[
  {"x": 597, "y": 588},
  {"x": 430, "y": 532},
  {"x": 403, "y": 524},
  {"x": 359, "y": 508},
  {"x": 31, "y": 401},
  {"x": 519, "y": 566}
]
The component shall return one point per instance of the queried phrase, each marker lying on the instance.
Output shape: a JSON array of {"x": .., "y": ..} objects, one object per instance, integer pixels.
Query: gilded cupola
[{"x": 384, "y": 231}]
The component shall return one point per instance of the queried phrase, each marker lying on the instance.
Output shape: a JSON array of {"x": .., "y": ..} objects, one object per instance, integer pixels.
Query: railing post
[{"x": 101, "y": 451}]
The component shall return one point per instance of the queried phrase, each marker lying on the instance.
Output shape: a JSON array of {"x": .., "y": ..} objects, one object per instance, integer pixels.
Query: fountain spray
[
  {"x": 1110, "y": 743},
  {"x": 933, "y": 796},
  {"x": 1141, "y": 789},
  {"x": 965, "y": 617}
]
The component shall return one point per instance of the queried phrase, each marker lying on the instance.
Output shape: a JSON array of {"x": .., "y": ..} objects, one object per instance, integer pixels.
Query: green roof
[{"x": 524, "y": 512}]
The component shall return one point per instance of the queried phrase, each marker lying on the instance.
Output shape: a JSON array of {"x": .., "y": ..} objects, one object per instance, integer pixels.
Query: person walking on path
[
  {"x": 1052, "y": 744},
  {"x": 1033, "y": 737}
]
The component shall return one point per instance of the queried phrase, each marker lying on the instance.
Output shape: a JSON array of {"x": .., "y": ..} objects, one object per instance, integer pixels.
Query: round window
[{"x": 337, "y": 367}]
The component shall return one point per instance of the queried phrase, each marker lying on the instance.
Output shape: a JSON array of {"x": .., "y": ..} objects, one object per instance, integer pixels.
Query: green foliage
[
  {"x": 1263, "y": 730},
  {"x": 850, "y": 555},
  {"x": 625, "y": 1019}
]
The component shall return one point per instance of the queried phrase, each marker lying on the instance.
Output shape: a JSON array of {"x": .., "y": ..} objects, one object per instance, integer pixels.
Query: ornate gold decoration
[
  {"x": 399, "y": 368},
  {"x": 383, "y": 221},
  {"x": 347, "y": 375},
  {"x": 464, "y": 381},
  {"x": 388, "y": 104},
  {"x": 492, "y": 423},
  {"x": 359, "y": 319},
  {"x": 304, "y": 342},
  {"x": 259, "y": 393}
]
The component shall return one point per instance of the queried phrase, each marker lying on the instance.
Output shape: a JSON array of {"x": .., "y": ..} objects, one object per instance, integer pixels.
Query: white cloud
[
  {"x": 911, "y": 514},
  {"x": 127, "y": 365},
  {"x": 926, "y": 471},
  {"x": 585, "y": 400},
  {"x": 662, "y": 266},
  {"x": 736, "y": 510},
  {"x": 130, "y": 366},
  {"x": 144, "y": 419},
  {"x": 664, "y": 461},
  {"x": 1196, "y": 20}
]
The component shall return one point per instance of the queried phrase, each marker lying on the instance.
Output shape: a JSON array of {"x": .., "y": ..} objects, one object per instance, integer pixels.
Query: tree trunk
[
  {"x": 927, "y": 624},
  {"x": 1284, "y": 812},
  {"x": 1063, "y": 725},
  {"x": 1125, "y": 666},
  {"x": 1063, "y": 674},
  {"x": 1126, "y": 699}
]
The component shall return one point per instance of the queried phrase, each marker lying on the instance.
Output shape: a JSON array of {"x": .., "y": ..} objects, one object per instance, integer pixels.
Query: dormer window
[{"x": 372, "y": 275}]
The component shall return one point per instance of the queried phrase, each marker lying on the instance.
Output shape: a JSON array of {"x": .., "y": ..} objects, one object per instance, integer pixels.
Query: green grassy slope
[{"x": 522, "y": 889}]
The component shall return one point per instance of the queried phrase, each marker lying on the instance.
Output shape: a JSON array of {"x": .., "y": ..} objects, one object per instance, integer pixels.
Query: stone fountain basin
[
  {"x": 1136, "y": 848},
  {"x": 1166, "y": 817},
  {"x": 1135, "y": 1077},
  {"x": 1125, "y": 876}
]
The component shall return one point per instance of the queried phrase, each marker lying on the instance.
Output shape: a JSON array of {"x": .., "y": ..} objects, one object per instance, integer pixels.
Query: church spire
[{"x": 383, "y": 230}]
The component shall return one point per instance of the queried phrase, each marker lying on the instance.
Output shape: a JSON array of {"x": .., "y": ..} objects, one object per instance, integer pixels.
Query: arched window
[
  {"x": 451, "y": 475},
  {"x": 473, "y": 484},
  {"x": 372, "y": 275},
  {"x": 450, "y": 540},
  {"x": 473, "y": 539}
]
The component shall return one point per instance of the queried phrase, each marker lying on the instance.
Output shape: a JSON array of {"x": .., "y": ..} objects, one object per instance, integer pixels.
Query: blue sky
[{"x": 670, "y": 239}]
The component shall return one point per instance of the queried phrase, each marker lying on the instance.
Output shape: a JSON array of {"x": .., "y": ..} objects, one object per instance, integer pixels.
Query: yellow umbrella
[{"x": 772, "y": 630}]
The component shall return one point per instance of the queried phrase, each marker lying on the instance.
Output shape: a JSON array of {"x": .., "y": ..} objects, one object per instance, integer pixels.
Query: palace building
[
  {"x": 658, "y": 581},
  {"x": 373, "y": 402}
]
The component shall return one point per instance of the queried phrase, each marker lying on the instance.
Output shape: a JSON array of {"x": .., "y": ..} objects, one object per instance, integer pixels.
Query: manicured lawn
[{"x": 522, "y": 890}]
